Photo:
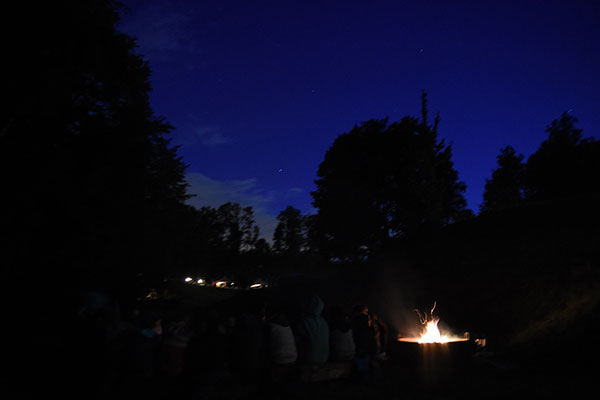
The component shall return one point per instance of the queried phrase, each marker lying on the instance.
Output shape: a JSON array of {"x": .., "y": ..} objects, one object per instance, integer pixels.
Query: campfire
[
  {"x": 431, "y": 333},
  {"x": 438, "y": 357}
]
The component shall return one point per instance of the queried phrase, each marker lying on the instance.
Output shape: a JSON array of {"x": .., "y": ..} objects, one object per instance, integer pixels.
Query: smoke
[
  {"x": 392, "y": 288},
  {"x": 396, "y": 287}
]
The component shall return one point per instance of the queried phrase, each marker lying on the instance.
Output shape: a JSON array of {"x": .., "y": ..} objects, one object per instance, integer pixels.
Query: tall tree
[
  {"x": 566, "y": 164},
  {"x": 506, "y": 186},
  {"x": 250, "y": 230},
  {"x": 229, "y": 224},
  {"x": 290, "y": 234},
  {"x": 381, "y": 181},
  {"x": 237, "y": 229},
  {"x": 91, "y": 184}
]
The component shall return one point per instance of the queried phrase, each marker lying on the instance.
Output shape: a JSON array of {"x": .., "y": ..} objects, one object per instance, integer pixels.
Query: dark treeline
[
  {"x": 565, "y": 165},
  {"x": 94, "y": 193}
]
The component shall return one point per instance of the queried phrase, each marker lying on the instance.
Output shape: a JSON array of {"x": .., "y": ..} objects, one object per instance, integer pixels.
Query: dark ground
[
  {"x": 527, "y": 280},
  {"x": 556, "y": 358}
]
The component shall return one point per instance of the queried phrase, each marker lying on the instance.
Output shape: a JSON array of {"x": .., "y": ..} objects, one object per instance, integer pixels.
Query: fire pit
[{"x": 435, "y": 356}]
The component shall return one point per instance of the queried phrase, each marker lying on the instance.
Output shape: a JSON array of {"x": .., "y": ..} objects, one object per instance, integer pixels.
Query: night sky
[{"x": 259, "y": 90}]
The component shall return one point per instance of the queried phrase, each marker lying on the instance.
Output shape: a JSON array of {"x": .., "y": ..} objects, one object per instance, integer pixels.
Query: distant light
[
  {"x": 188, "y": 279},
  {"x": 256, "y": 286},
  {"x": 220, "y": 284},
  {"x": 200, "y": 281}
]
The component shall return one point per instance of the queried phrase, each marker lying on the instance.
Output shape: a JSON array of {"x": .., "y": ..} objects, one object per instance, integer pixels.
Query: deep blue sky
[{"x": 258, "y": 90}]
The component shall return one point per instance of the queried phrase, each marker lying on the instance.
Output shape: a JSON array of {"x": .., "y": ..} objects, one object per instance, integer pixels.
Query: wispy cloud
[
  {"x": 208, "y": 135},
  {"x": 160, "y": 29},
  {"x": 211, "y": 136},
  {"x": 246, "y": 192}
]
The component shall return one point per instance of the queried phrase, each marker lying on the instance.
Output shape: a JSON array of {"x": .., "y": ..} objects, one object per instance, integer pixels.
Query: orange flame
[{"x": 432, "y": 333}]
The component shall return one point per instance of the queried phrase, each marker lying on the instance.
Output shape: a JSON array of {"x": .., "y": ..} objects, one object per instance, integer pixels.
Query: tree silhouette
[
  {"x": 250, "y": 231},
  {"x": 91, "y": 186},
  {"x": 565, "y": 163},
  {"x": 382, "y": 181},
  {"x": 218, "y": 241},
  {"x": 230, "y": 228},
  {"x": 290, "y": 234},
  {"x": 231, "y": 233},
  {"x": 506, "y": 186}
]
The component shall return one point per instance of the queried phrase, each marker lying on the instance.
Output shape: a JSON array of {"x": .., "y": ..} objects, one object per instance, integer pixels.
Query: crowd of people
[{"x": 261, "y": 345}]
